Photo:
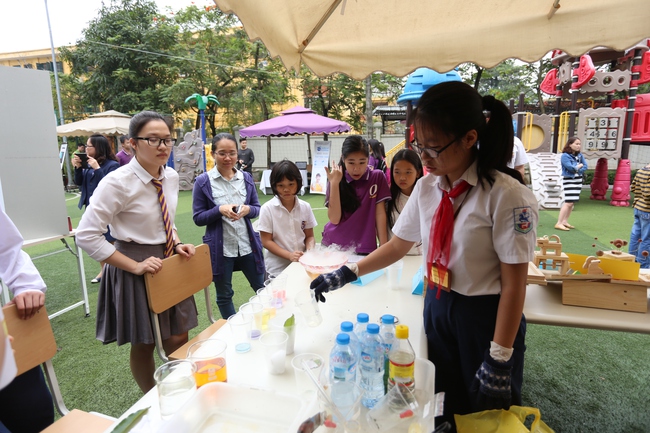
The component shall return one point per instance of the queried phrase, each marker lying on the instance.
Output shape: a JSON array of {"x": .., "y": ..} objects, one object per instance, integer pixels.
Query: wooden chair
[
  {"x": 176, "y": 281},
  {"x": 34, "y": 345}
]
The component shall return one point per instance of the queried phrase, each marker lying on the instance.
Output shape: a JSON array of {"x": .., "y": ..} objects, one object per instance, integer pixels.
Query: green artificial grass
[{"x": 582, "y": 380}]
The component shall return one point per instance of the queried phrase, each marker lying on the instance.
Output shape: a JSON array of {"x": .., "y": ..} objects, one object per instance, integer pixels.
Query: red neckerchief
[{"x": 442, "y": 231}]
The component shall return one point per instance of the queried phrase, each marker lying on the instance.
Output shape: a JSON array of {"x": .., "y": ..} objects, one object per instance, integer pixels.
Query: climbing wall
[
  {"x": 546, "y": 178},
  {"x": 188, "y": 159}
]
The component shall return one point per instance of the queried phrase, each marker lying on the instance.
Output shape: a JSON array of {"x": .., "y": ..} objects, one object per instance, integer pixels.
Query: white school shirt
[
  {"x": 495, "y": 224},
  {"x": 20, "y": 275},
  {"x": 287, "y": 228},
  {"x": 519, "y": 156},
  {"x": 127, "y": 201},
  {"x": 400, "y": 203}
]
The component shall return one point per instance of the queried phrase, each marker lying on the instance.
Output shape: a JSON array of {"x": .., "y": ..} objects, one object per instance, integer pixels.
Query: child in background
[
  {"x": 354, "y": 192},
  {"x": 286, "y": 223},
  {"x": 377, "y": 159},
  {"x": 405, "y": 171}
]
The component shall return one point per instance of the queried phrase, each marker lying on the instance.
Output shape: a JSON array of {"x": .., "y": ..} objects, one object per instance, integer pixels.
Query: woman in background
[
  {"x": 574, "y": 165},
  {"x": 101, "y": 161},
  {"x": 224, "y": 200}
]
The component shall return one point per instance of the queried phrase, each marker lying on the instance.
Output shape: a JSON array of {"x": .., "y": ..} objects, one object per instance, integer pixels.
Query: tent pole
[{"x": 308, "y": 150}]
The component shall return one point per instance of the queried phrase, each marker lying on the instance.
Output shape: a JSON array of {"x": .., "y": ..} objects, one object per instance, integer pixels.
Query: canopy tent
[
  {"x": 296, "y": 120},
  {"x": 107, "y": 123},
  {"x": 362, "y": 36}
]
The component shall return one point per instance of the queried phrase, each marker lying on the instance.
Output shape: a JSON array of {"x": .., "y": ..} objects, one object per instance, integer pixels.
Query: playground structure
[{"x": 606, "y": 133}]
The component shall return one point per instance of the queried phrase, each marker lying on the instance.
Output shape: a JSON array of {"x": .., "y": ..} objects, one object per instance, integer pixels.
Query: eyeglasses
[
  {"x": 155, "y": 141},
  {"x": 224, "y": 154},
  {"x": 431, "y": 153}
]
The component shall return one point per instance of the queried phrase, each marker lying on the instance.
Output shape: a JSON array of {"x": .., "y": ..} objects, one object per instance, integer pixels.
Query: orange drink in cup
[{"x": 210, "y": 359}]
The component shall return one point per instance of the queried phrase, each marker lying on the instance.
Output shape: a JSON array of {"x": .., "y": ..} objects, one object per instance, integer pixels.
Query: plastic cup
[
  {"x": 209, "y": 356},
  {"x": 269, "y": 309},
  {"x": 347, "y": 398},
  {"x": 315, "y": 363},
  {"x": 274, "y": 344},
  {"x": 176, "y": 384},
  {"x": 306, "y": 301},
  {"x": 397, "y": 407},
  {"x": 241, "y": 325},
  {"x": 255, "y": 309},
  {"x": 394, "y": 274},
  {"x": 276, "y": 288},
  {"x": 278, "y": 324}
]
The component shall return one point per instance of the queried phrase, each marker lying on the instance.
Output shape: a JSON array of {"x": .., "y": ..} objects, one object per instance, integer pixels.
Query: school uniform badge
[{"x": 522, "y": 219}]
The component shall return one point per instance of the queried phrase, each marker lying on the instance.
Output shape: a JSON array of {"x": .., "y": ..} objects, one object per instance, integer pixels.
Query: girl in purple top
[{"x": 354, "y": 193}]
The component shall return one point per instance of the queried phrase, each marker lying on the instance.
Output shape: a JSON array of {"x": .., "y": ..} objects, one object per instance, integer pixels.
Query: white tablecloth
[{"x": 543, "y": 306}]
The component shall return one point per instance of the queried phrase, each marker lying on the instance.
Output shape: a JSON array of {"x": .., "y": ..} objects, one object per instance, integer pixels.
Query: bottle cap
[
  {"x": 362, "y": 318},
  {"x": 347, "y": 326},
  {"x": 402, "y": 331},
  {"x": 388, "y": 319},
  {"x": 373, "y": 328},
  {"x": 342, "y": 339}
]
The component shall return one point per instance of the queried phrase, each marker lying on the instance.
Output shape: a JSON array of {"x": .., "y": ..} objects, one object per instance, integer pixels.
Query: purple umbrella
[{"x": 296, "y": 120}]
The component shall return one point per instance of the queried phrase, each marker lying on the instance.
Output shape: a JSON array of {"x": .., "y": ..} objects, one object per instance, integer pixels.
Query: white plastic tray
[{"x": 222, "y": 407}]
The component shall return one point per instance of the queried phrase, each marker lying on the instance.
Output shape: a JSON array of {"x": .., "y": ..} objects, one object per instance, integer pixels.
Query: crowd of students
[{"x": 470, "y": 217}]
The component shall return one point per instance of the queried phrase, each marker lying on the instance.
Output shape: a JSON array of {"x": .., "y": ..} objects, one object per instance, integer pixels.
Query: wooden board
[
  {"x": 33, "y": 339},
  {"x": 535, "y": 275},
  {"x": 610, "y": 296},
  {"x": 80, "y": 421}
]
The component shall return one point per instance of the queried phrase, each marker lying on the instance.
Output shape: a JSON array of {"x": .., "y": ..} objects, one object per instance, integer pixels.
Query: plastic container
[
  {"x": 342, "y": 361},
  {"x": 348, "y": 328},
  {"x": 401, "y": 360},
  {"x": 387, "y": 333},
  {"x": 371, "y": 366},
  {"x": 360, "y": 326},
  {"x": 223, "y": 407},
  {"x": 365, "y": 279}
]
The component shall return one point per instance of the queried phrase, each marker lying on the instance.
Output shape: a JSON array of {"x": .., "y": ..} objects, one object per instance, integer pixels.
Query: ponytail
[{"x": 496, "y": 141}]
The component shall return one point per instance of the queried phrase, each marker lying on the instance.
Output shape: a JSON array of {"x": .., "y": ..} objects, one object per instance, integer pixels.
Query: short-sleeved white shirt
[
  {"x": 287, "y": 228},
  {"x": 518, "y": 154},
  {"x": 494, "y": 224}
]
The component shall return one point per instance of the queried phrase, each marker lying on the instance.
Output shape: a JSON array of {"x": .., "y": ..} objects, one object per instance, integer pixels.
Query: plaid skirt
[{"x": 122, "y": 308}]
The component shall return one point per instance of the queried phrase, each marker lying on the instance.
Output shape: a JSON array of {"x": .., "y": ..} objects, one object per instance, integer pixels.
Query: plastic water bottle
[
  {"x": 371, "y": 366},
  {"x": 343, "y": 362},
  {"x": 360, "y": 326},
  {"x": 342, "y": 375},
  {"x": 401, "y": 360},
  {"x": 348, "y": 328},
  {"x": 387, "y": 333}
]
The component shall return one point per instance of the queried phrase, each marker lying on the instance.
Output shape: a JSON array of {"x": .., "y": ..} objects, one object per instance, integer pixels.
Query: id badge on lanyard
[{"x": 437, "y": 278}]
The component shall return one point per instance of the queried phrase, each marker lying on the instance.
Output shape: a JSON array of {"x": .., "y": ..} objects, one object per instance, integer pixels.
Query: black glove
[
  {"x": 491, "y": 385},
  {"x": 332, "y": 281}
]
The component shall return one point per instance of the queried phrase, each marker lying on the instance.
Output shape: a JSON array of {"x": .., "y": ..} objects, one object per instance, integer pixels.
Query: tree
[
  {"x": 508, "y": 79},
  {"x": 218, "y": 59},
  {"x": 119, "y": 58}
]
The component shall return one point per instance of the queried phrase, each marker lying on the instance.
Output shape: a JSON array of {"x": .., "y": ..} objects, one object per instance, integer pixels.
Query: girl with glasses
[
  {"x": 130, "y": 202},
  {"x": 477, "y": 221},
  {"x": 225, "y": 201}
]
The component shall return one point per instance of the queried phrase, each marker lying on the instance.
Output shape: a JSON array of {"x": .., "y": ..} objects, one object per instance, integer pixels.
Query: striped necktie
[{"x": 169, "y": 246}]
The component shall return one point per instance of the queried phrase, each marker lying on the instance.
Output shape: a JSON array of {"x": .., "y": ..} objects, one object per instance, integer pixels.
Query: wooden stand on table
[
  {"x": 551, "y": 251},
  {"x": 615, "y": 295}
]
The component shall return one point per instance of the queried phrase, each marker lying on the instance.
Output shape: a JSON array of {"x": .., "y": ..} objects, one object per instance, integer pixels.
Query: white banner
[{"x": 321, "y": 158}]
